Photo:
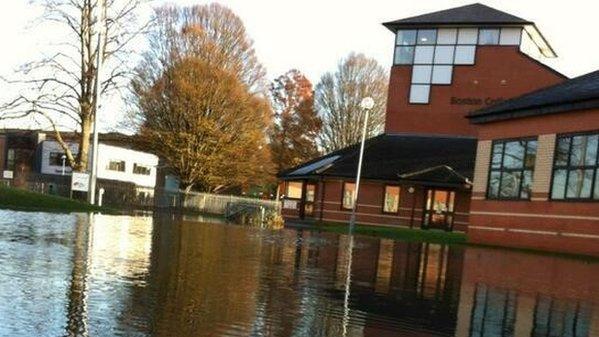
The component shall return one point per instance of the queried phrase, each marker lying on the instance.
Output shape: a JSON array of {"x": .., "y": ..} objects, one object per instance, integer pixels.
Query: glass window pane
[
  {"x": 427, "y": 36},
  {"x": 596, "y": 194},
  {"x": 464, "y": 54},
  {"x": 510, "y": 36},
  {"x": 424, "y": 55},
  {"x": 590, "y": 158},
  {"x": 497, "y": 152},
  {"x": 510, "y": 184},
  {"x": 531, "y": 153},
  {"x": 422, "y": 74},
  {"x": 391, "y": 199},
  {"x": 526, "y": 185},
  {"x": 493, "y": 191},
  {"x": 404, "y": 55},
  {"x": 406, "y": 37},
  {"x": 447, "y": 36},
  {"x": 488, "y": 36},
  {"x": 442, "y": 74},
  {"x": 562, "y": 151},
  {"x": 467, "y": 35},
  {"x": 419, "y": 93},
  {"x": 579, "y": 184},
  {"x": 577, "y": 150},
  {"x": 348, "y": 195},
  {"x": 444, "y": 54},
  {"x": 294, "y": 190},
  {"x": 514, "y": 154},
  {"x": 558, "y": 190},
  {"x": 310, "y": 193}
]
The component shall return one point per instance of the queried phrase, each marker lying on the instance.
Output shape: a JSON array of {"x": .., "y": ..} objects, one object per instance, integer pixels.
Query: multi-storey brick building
[{"x": 419, "y": 173}]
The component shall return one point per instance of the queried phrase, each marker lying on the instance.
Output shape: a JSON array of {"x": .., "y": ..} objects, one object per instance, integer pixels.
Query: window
[
  {"x": 512, "y": 167},
  {"x": 424, "y": 55},
  {"x": 116, "y": 165},
  {"x": 55, "y": 158},
  {"x": 391, "y": 201},
  {"x": 510, "y": 36},
  {"x": 447, "y": 36},
  {"x": 422, "y": 74},
  {"x": 404, "y": 55},
  {"x": 444, "y": 54},
  {"x": 419, "y": 93},
  {"x": 10, "y": 159},
  {"x": 294, "y": 190},
  {"x": 141, "y": 169},
  {"x": 575, "y": 168},
  {"x": 488, "y": 36},
  {"x": 467, "y": 35},
  {"x": 442, "y": 74},
  {"x": 464, "y": 54},
  {"x": 406, "y": 37},
  {"x": 348, "y": 195},
  {"x": 427, "y": 36}
]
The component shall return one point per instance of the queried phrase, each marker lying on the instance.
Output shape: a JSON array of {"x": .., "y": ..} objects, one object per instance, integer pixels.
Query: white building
[{"x": 114, "y": 163}]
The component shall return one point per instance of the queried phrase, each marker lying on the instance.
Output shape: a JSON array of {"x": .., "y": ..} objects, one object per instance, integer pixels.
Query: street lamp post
[
  {"x": 64, "y": 159},
  {"x": 367, "y": 104},
  {"x": 91, "y": 195}
]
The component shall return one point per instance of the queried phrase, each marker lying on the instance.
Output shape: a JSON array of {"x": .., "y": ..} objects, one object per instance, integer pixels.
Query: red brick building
[{"x": 419, "y": 173}]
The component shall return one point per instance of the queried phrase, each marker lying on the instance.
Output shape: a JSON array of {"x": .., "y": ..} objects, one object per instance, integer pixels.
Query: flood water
[{"x": 98, "y": 275}]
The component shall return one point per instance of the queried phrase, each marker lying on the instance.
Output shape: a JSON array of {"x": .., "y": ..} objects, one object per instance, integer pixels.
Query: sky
[{"x": 313, "y": 35}]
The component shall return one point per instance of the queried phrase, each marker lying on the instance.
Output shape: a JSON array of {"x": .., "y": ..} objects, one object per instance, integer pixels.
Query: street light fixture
[
  {"x": 64, "y": 159},
  {"x": 367, "y": 104}
]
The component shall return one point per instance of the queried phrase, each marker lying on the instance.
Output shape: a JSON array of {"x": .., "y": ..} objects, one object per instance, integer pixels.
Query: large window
[
  {"x": 512, "y": 167},
  {"x": 294, "y": 190},
  {"x": 348, "y": 195},
  {"x": 575, "y": 167},
  {"x": 116, "y": 165},
  {"x": 434, "y": 52},
  {"x": 10, "y": 159},
  {"x": 391, "y": 202}
]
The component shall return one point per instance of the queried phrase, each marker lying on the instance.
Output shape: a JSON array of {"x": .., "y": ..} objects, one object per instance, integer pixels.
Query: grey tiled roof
[{"x": 470, "y": 14}]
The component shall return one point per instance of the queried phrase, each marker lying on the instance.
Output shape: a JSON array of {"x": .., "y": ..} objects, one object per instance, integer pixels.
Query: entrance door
[
  {"x": 438, "y": 211},
  {"x": 309, "y": 196}
]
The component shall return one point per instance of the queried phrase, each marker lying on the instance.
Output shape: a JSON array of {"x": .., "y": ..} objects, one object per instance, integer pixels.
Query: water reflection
[{"x": 98, "y": 275}]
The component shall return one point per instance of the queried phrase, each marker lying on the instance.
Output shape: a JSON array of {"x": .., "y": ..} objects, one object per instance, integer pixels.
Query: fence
[{"x": 210, "y": 203}]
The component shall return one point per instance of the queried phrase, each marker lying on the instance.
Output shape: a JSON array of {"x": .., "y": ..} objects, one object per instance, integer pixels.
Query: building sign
[
  {"x": 80, "y": 182},
  {"x": 475, "y": 100},
  {"x": 289, "y": 204},
  {"x": 7, "y": 174}
]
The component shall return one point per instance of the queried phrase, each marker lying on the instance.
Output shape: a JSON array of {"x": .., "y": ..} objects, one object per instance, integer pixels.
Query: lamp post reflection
[{"x": 346, "y": 310}]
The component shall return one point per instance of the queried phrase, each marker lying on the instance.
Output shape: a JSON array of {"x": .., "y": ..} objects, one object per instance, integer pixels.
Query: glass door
[
  {"x": 439, "y": 208},
  {"x": 308, "y": 202}
]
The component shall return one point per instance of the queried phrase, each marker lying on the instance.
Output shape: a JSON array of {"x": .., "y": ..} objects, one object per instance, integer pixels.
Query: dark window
[
  {"x": 141, "y": 169},
  {"x": 391, "y": 201},
  {"x": 512, "y": 167},
  {"x": 10, "y": 159},
  {"x": 56, "y": 158},
  {"x": 116, "y": 165},
  {"x": 575, "y": 167}
]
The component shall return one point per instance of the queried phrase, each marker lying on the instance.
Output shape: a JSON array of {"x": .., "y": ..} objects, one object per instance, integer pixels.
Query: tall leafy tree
[
  {"x": 293, "y": 138},
  {"x": 339, "y": 94},
  {"x": 207, "y": 126},
  {"x": 199, "y": 99}
]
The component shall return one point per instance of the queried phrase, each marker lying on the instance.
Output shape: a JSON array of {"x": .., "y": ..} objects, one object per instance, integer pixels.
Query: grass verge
[
  {"x": 23, "y": 200},
  {"x": 398, "y": 233}
]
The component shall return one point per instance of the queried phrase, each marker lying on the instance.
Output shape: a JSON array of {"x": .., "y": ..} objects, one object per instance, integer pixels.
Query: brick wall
[
  {"x": 481, "y": 169},
  {"x": 543, "y": 167}
]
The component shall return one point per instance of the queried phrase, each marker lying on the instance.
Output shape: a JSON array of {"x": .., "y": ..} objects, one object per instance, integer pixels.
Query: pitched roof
[
  {"x": 470, "y": 14},
  {"x": 575, "y": 94},
  {"x": 388, "y": 156}
]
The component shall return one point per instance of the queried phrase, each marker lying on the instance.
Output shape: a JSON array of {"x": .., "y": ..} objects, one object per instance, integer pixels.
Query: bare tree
[
  {"x": 338, "y": 96},
  {"x": 61, "y": 87}
]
